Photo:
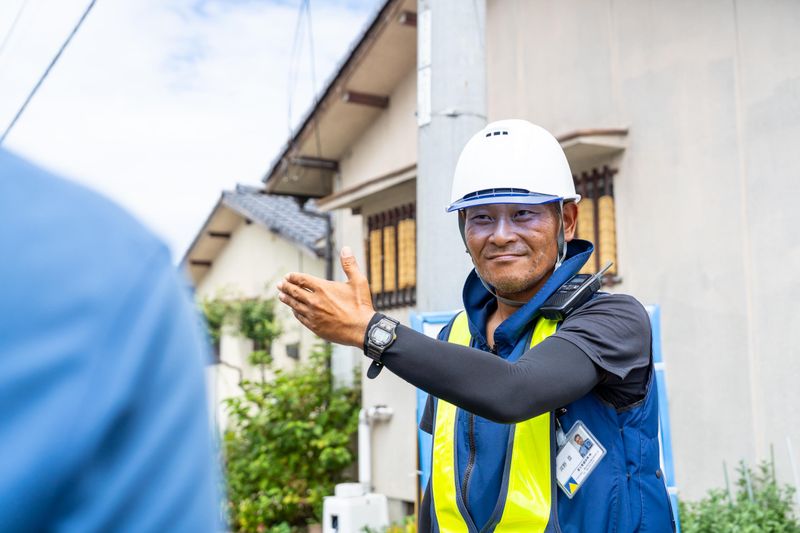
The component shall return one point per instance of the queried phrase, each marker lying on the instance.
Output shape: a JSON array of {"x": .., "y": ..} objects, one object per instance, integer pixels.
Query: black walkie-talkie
[{"x": 573, "y": 294}]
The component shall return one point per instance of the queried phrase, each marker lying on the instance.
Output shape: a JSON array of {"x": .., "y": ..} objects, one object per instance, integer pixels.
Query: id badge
[{"x": 577, "y": 458}]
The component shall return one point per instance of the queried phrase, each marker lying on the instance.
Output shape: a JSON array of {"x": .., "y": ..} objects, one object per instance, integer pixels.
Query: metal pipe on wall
[{"x": 376, "y": 413}]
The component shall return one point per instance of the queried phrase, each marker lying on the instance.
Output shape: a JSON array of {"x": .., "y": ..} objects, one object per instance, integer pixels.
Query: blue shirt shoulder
[{"x": 104, "y": 422}]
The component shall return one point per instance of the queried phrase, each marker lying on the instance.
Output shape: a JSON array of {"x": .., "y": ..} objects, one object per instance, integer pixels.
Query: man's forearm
[{"x": 551, "y": 375}]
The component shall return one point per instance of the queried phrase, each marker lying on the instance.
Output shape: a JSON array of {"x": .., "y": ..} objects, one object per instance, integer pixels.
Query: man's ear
[
  {"x": 570, "y": 213},
  {"x": 462, "y": 220}
]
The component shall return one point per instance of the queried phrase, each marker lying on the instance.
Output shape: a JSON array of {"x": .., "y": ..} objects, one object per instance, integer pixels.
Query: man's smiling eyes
[{"x": 522, "y": 214}]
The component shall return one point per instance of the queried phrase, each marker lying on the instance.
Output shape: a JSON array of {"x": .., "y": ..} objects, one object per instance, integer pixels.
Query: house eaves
[
  {"x": 353, "y": 98},
  {"x": 282, "y": 215}
]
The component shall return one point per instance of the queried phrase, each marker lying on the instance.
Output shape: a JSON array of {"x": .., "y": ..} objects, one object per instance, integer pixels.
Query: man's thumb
[{"x": 349, "y": 264}]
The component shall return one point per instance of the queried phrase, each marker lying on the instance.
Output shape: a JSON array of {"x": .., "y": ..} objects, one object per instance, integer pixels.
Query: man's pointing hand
[{"x": 337, "y": 312}]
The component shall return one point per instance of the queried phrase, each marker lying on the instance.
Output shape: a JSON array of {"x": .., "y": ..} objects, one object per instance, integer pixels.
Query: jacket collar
[{"x": 480, "y": 304}]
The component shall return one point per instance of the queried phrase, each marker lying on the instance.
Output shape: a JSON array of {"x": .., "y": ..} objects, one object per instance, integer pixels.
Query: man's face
[
  {"x": 578, "y": 440},
  {"x": 513, "y": 246}
]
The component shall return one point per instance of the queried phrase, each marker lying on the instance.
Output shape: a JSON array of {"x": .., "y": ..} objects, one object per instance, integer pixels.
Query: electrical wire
[
  {"x": 303, "y": 9},
  {"x": 313, "y": 77},
  {"x": 47, "y": 71},
  {"x": 293, "y": 63},
  {"x": 13, "y": 26},
  {"x": 328, "y": 217}
]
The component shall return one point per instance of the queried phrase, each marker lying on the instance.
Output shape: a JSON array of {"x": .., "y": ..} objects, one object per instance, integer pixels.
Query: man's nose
[{"x": 504, "y": 232}]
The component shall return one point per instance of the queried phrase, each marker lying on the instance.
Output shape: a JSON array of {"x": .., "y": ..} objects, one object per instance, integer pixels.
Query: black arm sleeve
[{"x": 552, "y": 374}]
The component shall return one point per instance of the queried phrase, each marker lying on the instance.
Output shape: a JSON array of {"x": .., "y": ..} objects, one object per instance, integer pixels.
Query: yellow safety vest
[{"x": 530, "y": 488}]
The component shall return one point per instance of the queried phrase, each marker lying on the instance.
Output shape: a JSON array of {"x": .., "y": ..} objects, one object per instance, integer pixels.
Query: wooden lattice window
[
  {"x": 391, "y": 250},
  {"x": 597, "y": 221}
]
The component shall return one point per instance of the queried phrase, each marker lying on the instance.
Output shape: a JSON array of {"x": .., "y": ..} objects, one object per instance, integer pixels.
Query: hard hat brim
[{"x": 500, "y": 198}]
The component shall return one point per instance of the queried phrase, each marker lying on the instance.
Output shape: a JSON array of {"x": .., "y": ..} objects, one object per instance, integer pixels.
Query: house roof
[
  {"x": 280, "y": 214},
  {"x": 353, "y": 98}
]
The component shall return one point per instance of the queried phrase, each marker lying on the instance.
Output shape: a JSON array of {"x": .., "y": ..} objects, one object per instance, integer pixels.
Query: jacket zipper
[{"x": 470, "y": 460}]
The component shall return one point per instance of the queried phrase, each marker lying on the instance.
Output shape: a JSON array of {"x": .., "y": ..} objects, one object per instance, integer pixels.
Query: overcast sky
[{"x": 162, "y": 104}]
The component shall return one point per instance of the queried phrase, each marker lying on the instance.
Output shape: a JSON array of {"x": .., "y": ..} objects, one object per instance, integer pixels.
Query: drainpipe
[
  {"x": 377, "y": 413},
  {"x": 328, "y": 244},
  {"x": 328, "y": 218}
]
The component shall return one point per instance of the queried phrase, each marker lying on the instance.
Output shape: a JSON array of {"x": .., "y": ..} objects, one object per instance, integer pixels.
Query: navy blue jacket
[{"x": 626, "y": 492}]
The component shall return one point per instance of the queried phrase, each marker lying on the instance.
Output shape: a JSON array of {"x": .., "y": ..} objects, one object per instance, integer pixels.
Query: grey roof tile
[{"x": 281, "y": 214}]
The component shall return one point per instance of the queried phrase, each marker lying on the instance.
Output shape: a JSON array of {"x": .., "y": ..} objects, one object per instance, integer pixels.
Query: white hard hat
[{"x": 512, "y": 162}]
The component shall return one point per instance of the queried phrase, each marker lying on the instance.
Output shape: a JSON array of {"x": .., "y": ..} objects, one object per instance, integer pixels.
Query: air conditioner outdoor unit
[{"x": 352, "y": 509}]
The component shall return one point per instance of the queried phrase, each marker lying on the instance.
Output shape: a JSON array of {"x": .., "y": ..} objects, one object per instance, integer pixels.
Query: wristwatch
[{"x": 379, "y": 337}]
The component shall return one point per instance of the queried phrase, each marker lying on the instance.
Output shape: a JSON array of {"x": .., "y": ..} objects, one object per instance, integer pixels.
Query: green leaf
[
  {"x": 289, "y": 441},
  {"x": 757, "y": 504}
]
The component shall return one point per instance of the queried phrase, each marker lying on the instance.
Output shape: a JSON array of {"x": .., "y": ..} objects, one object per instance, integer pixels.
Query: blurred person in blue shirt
[{"x": 103, "y": 414}]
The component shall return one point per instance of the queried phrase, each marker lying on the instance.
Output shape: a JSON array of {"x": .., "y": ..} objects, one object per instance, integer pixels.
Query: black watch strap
[
  {"x": 374, "y": 349},
  {"x": 374, "y": 369}
]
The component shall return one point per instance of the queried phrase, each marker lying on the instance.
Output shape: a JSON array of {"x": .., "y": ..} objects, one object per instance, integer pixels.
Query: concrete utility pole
[{"x": 451, "y": 107}]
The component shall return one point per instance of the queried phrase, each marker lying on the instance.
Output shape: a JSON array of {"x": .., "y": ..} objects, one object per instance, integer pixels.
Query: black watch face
[{"x": 380, "y": 337}]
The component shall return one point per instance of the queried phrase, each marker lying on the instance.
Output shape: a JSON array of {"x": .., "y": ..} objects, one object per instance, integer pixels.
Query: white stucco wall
[
  {"x": 709, "y": 92},
  {"x": 347, "y": 232},
  {"x": 396, "y": 477},
  {"x": 250, "y": 265},
  {"x": 387, "y": 145}
]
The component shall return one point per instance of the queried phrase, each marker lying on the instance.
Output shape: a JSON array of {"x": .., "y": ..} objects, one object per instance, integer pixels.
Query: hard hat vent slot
[
  {"x": 492, "y": 193},
  {"x": 497, "y": 132}
]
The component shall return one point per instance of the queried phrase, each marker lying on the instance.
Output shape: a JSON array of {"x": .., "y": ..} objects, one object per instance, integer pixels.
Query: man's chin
[{"x": 509, "y": 288}]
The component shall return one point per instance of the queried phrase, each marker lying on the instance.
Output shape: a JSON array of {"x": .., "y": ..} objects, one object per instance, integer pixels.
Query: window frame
[
  {"x": 402, "y": 293},
  {"x": 593, "y": 184}
]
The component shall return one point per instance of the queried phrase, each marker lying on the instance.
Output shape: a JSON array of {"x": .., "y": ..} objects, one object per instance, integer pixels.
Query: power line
[
  {"x": 294, "y": 57},
  {"x": 13, "y": 26},
  {"x": 47, "y": 71},
  {"x": 313, "y": 76},
  {"x": 304, "y": 8}
]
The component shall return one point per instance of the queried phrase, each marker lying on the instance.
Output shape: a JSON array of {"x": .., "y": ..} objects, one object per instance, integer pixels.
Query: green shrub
[
  {"x": 252, "y": 318},
  {"x": 287, "y": 445},
  {"x": 756, "y": 504},
  {"x": 255, "y": 318},
  {"x": 216, "y": 312}
]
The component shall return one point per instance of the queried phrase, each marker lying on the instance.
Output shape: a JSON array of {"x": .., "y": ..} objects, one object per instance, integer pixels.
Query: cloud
[{"x": 162, "y": 104}]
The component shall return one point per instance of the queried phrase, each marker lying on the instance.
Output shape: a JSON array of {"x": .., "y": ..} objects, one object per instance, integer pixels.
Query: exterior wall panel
[
  {"x": 769, "y": 118},
  {"x": 253, "y": 261},
  {"x": 390, "y": 143},
  {"x": 709, "y": 93}
]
